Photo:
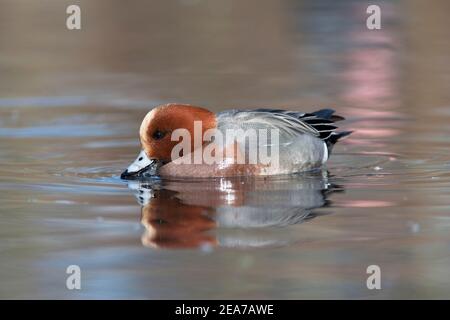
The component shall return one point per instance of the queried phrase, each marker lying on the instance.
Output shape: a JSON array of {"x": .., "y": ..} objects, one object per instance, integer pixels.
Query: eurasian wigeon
[{"x": 303, "y": 142}]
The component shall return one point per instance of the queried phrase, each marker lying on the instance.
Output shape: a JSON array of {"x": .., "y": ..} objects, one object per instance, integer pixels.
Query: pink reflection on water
[
  {"x": 366, "y": 203},
  {"x": 370, "y": 77},
  {"x": 377, "y": 132}
]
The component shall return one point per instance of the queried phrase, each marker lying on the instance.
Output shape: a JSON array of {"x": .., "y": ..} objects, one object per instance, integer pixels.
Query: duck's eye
[{"x": 158, "y": 135}]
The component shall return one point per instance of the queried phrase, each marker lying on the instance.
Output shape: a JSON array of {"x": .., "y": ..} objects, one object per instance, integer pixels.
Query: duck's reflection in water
[{"x": 230, "y": 212}]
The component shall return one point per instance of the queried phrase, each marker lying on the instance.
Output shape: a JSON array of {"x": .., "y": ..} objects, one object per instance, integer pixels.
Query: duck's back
[{"x": 303, "y": 141}]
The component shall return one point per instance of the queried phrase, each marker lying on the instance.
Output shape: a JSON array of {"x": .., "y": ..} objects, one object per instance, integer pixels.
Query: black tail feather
[
  {"x": 323, "y": 113},
  {"x": 334, "y": 137},
  {"x": 327, "y": 114}
]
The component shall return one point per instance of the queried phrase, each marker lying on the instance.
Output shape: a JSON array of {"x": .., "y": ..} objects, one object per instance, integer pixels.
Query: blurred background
[{"x": 71, "y": 102}]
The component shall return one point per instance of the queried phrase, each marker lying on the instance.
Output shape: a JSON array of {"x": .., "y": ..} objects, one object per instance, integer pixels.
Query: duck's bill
[{"x": 142, "y": 167}]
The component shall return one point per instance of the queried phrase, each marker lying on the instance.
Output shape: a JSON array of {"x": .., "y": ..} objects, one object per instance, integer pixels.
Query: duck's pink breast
[{"x": 186, "y": 166}]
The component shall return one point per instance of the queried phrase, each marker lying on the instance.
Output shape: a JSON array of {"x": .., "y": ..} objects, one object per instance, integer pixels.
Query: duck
[{"x": 183, "y": 140}]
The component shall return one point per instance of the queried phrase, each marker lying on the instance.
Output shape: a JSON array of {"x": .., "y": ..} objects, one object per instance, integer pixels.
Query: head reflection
[{"x": 227, "y": 212}]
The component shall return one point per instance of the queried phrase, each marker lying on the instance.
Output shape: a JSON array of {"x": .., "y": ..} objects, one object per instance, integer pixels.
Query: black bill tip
[
  {"x": 125, "y": 175},
  {"x": 149, "y": 171}
]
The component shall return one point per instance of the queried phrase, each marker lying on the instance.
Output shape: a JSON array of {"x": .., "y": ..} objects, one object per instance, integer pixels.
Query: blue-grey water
[{"x": 71, "y": 103}]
